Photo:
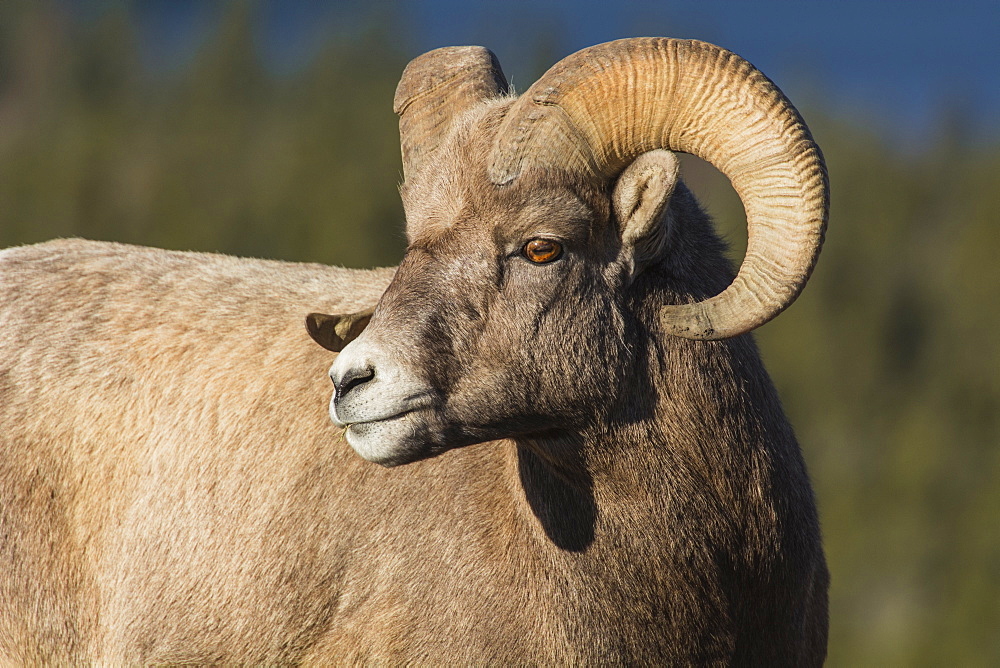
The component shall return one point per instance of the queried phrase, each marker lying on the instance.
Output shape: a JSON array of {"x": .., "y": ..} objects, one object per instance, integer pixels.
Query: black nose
[{"x": 352, "y": 378}]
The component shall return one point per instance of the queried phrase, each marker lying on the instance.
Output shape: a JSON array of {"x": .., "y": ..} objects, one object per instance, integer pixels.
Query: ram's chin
[{"x": 390, "y": 442}]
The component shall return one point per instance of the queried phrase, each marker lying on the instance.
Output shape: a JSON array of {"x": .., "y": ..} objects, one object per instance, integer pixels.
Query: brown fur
[{"x": 172, "y": 490}]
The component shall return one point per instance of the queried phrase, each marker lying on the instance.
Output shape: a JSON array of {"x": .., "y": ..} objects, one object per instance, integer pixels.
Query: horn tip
[{"x": 692, "y": 321}]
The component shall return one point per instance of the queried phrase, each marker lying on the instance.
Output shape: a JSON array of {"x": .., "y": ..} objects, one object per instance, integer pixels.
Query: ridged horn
[
  {"x": 434, "y": 89},
  {"x": 595, "y": 111}
]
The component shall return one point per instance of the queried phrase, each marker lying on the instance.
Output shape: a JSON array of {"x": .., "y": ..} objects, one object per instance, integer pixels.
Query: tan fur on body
[
  {"x": 152, "y": 479},
  {"x": 583, "y": 487}
]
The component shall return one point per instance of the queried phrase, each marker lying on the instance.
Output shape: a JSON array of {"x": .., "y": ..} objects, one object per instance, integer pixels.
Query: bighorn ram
[{"x": 171, "y": 490}]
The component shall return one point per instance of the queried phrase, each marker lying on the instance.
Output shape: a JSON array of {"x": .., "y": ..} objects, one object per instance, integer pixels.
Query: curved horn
[
  {"x": 434, "y": 88},
  {"x": 595, "y": 111}
]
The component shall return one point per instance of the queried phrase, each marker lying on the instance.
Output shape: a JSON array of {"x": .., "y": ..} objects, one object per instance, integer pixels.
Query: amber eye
[{"x": 541, "y": 251}]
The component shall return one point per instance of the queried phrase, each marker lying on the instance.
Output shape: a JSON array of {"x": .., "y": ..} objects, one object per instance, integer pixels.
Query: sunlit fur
[{"x": 172, "y": 490}]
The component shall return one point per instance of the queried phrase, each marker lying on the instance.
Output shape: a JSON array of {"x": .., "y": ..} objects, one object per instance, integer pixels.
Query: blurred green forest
[{"x": 889, "y": 364}]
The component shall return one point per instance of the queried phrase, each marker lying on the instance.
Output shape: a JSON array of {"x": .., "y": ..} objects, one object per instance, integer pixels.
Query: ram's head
[{"x": 550, "y": 239}]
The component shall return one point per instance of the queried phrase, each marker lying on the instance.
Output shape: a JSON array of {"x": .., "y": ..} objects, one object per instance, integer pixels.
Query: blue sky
[{"x": 897, "y": 65}]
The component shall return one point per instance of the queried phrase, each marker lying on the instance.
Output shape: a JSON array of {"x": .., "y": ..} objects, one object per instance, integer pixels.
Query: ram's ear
[
  {"x": 333, "y": 332},
  {"x": 641, "y": 197}
]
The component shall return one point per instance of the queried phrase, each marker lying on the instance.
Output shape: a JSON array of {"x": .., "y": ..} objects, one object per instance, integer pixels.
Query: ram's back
[{"x": 128, "y": 377}]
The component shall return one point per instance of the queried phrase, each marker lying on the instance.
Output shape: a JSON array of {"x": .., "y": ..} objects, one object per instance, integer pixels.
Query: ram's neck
[
  {"x": 583, "y": 490},
  {"x": 694, "y": 441}
]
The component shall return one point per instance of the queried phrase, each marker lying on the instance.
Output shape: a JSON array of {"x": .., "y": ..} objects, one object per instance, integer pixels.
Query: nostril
[{"x": 353, "y": 378}]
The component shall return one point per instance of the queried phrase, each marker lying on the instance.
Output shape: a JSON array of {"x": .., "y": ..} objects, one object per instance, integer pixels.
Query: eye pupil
[{"x": 542, "y": 250}]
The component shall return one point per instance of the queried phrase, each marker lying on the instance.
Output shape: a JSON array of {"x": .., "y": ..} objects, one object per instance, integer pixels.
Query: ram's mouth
[
  {"x": 359, "y": 424},
  {"x": 407, "y": 405}
]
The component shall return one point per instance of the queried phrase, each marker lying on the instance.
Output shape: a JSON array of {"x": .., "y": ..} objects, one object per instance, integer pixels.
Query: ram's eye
[{"x": 541, "y": 251}]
